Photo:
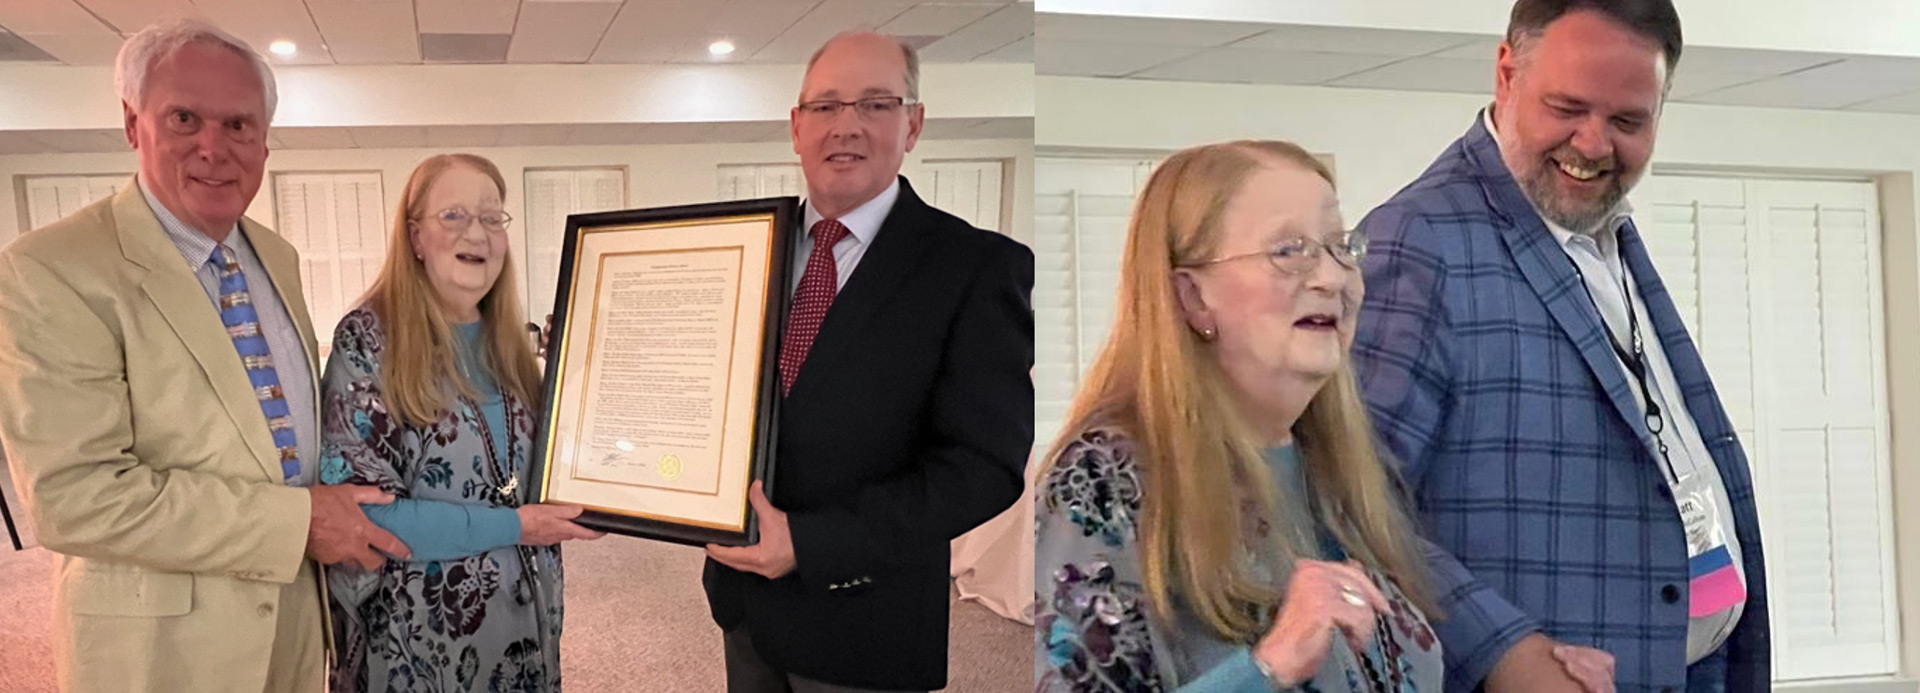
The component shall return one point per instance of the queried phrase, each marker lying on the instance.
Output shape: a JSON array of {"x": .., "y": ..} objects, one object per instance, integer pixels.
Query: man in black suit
[{"x": 909, "y": 409}]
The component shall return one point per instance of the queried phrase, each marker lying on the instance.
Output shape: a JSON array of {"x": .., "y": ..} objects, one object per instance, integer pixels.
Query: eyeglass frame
[
  {"x": 439, "y": 217},
  {"x": 839, "y": 105},
  {"x": 1307, "y": 243}
]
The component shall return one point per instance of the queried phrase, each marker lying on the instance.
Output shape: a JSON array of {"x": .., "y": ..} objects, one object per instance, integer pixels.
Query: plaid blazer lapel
[{"x": 1551, "y": 275}]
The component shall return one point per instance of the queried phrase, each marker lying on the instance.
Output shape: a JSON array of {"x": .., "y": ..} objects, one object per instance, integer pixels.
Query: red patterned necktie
[{"x": 818, "y": 285}]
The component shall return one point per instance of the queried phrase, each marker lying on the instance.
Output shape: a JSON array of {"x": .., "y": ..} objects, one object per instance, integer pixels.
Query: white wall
[
  {"x": 657, "y": 175},
  {"x": 1381, "y": 140},
  {"x": 1868, "y": 27}
]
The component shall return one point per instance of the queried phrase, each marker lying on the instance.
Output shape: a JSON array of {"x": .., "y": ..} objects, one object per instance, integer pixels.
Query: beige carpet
[{"x": 636, "y": 621}]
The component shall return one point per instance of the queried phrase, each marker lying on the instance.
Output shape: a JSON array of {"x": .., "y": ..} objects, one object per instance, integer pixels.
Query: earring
[{"x": 1207, "y": 334}]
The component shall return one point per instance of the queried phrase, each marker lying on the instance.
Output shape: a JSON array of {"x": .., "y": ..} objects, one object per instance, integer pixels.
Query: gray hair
[
  {"x": 162, "y": 39},
  {"x": 907, "y": 54}
]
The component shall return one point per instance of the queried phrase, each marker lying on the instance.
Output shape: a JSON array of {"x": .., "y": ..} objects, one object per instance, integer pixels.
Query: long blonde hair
[
  {"x": 1158, "y": 382},
  {"x": 418, "y": 366}
]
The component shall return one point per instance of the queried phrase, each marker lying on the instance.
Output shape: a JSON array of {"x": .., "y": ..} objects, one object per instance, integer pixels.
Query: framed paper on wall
[{"x": 662, "y": 371}]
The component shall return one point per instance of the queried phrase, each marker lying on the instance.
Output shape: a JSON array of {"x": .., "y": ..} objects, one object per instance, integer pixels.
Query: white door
[
  {"x": 1080, "y": 208},
  {"x": 1779, "y": 282}
]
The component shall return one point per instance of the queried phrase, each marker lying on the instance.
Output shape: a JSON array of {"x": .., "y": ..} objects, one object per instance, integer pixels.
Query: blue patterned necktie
[{"x": 243, "y": 325}]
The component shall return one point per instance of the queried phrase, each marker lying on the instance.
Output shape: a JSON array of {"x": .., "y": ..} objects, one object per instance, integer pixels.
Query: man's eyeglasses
[
  {"x": 869, "y": 108},
  {"x": 1300, "y": 255},
  {"x": 458, "y": 219}
]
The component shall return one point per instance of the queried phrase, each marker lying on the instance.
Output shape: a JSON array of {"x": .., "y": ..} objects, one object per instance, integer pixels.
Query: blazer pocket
[{"x": 96, "y": 592}]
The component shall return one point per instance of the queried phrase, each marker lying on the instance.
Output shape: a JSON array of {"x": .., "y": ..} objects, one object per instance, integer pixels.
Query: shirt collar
[
  {"x": 865, "y": 220},
  {"x": 196, "y": 247},
  {"x": 1607, "y": 236}
]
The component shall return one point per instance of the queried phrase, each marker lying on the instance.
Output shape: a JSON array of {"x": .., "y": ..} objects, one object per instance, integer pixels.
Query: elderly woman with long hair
[
  {"x": 1215, "y": 516},
  {"x": 431, "y": 394}
]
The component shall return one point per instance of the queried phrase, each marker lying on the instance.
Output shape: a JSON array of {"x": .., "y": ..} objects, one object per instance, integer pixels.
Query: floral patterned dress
[
  {"x": 1094, "y": 632},
  {"x": 486, "y": 622}
]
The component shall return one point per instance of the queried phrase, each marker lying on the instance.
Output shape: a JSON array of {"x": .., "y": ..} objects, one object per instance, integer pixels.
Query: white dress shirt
[
  {"x": 863, "y": 225},
  {"x": 288, "y": 349},
  {"x": 1597, "y": 255}
]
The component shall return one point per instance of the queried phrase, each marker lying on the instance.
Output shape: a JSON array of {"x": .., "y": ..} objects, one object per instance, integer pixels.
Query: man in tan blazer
[{"x": 152, "y": 457}]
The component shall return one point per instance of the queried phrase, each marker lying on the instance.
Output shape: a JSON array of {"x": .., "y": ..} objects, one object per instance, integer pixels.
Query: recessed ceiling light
[
  {"x": 283, "y": 48},
  {"x": 720, "y": 47}
]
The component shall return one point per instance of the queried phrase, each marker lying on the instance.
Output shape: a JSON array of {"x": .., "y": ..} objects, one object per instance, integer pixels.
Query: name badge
[{"x": 1715, "y": 583}]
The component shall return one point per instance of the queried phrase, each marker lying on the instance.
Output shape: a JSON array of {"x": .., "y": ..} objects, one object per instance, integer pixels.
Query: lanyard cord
[{"x": 1636, "y": 362}]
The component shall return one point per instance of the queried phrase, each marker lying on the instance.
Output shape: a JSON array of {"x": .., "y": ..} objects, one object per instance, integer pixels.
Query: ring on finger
[{"x": 1351, "y": 596}]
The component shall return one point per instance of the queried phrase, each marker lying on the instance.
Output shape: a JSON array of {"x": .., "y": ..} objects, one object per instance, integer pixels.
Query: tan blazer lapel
[{"x": 181, "y": 300}]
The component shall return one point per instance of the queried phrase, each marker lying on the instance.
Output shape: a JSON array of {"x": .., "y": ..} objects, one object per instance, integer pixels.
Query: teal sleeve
[
  {"x": 439, "y": 531},
  {"x": 1235, "y": 674}
]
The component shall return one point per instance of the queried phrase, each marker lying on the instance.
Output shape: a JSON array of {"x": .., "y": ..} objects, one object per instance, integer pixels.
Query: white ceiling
[
  {"x": 89, "y": 32},
  {"x": 441, "y": 136},
  {"x": 1256, "y": 53}
]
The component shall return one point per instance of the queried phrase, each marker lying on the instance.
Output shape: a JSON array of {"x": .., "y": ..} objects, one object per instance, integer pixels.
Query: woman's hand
[
  {"x": 1592, "y": 668},
  {"x": 545, "y": 524},
  {"x": 1324, "y": 601}
]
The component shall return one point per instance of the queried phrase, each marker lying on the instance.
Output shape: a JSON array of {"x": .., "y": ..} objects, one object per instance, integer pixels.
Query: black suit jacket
[{"x": 909, "y": 423}]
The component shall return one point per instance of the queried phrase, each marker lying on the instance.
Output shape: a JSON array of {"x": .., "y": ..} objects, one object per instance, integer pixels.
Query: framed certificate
[{"x": 662, "y": 369}]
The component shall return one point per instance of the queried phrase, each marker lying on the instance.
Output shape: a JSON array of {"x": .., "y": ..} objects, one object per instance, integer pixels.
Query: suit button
[
  {"x": 265, "y": 609},
  {"x": 1670, "y": 594}
]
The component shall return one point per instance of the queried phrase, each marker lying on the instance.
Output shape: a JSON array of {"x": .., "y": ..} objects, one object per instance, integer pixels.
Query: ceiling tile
[
  {"x": 993, "y": 32},
  {"x": 389, "y": 137},
  {"x": 1020, "y": 51},
  {"x": 1901, "y": 103},
  {"x": 1747, "y": 61},
  {"x": 828, "y": 19},
  {"x": 1137, "y": 30},
  {"x": 1483, "y": 49},
  {"x": 1251, "y": 66},
  {"x": 938, "y": 18},
  {"x": 559, "y": 32},
  {"x": 17, "y": 49},
  {"x": 261, "y": 22},
  {"x": 130, "y": 16},
  {"x": 369, "y": 31},
  {"x": 1322, "y": 39},
  {"x": 464, "y": 48},
  {"x": 1834, "y": 85},
  {"x": 1090, "y": 59},
  {"x": 1427, "y": 74},
  {"x": 49, "y": 17},
  {"x": 466, "y": 16},
  {"x": 314, "y": 138},
  {"x": 679, "y": 31},
  {"x": 80, "y": 49},
  {"x": 1688, "y": 83}
]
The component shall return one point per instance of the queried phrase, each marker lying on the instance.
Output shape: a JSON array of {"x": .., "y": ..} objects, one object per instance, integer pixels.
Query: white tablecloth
[{"x": 993, "y": 564}]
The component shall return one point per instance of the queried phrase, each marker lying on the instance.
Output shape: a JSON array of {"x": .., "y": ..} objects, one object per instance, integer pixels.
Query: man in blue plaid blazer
[{"x": 1540, "y": 449}]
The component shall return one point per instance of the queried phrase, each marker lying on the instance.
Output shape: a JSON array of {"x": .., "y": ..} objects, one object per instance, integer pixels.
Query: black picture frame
[{"x": 784, "y": 222}]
